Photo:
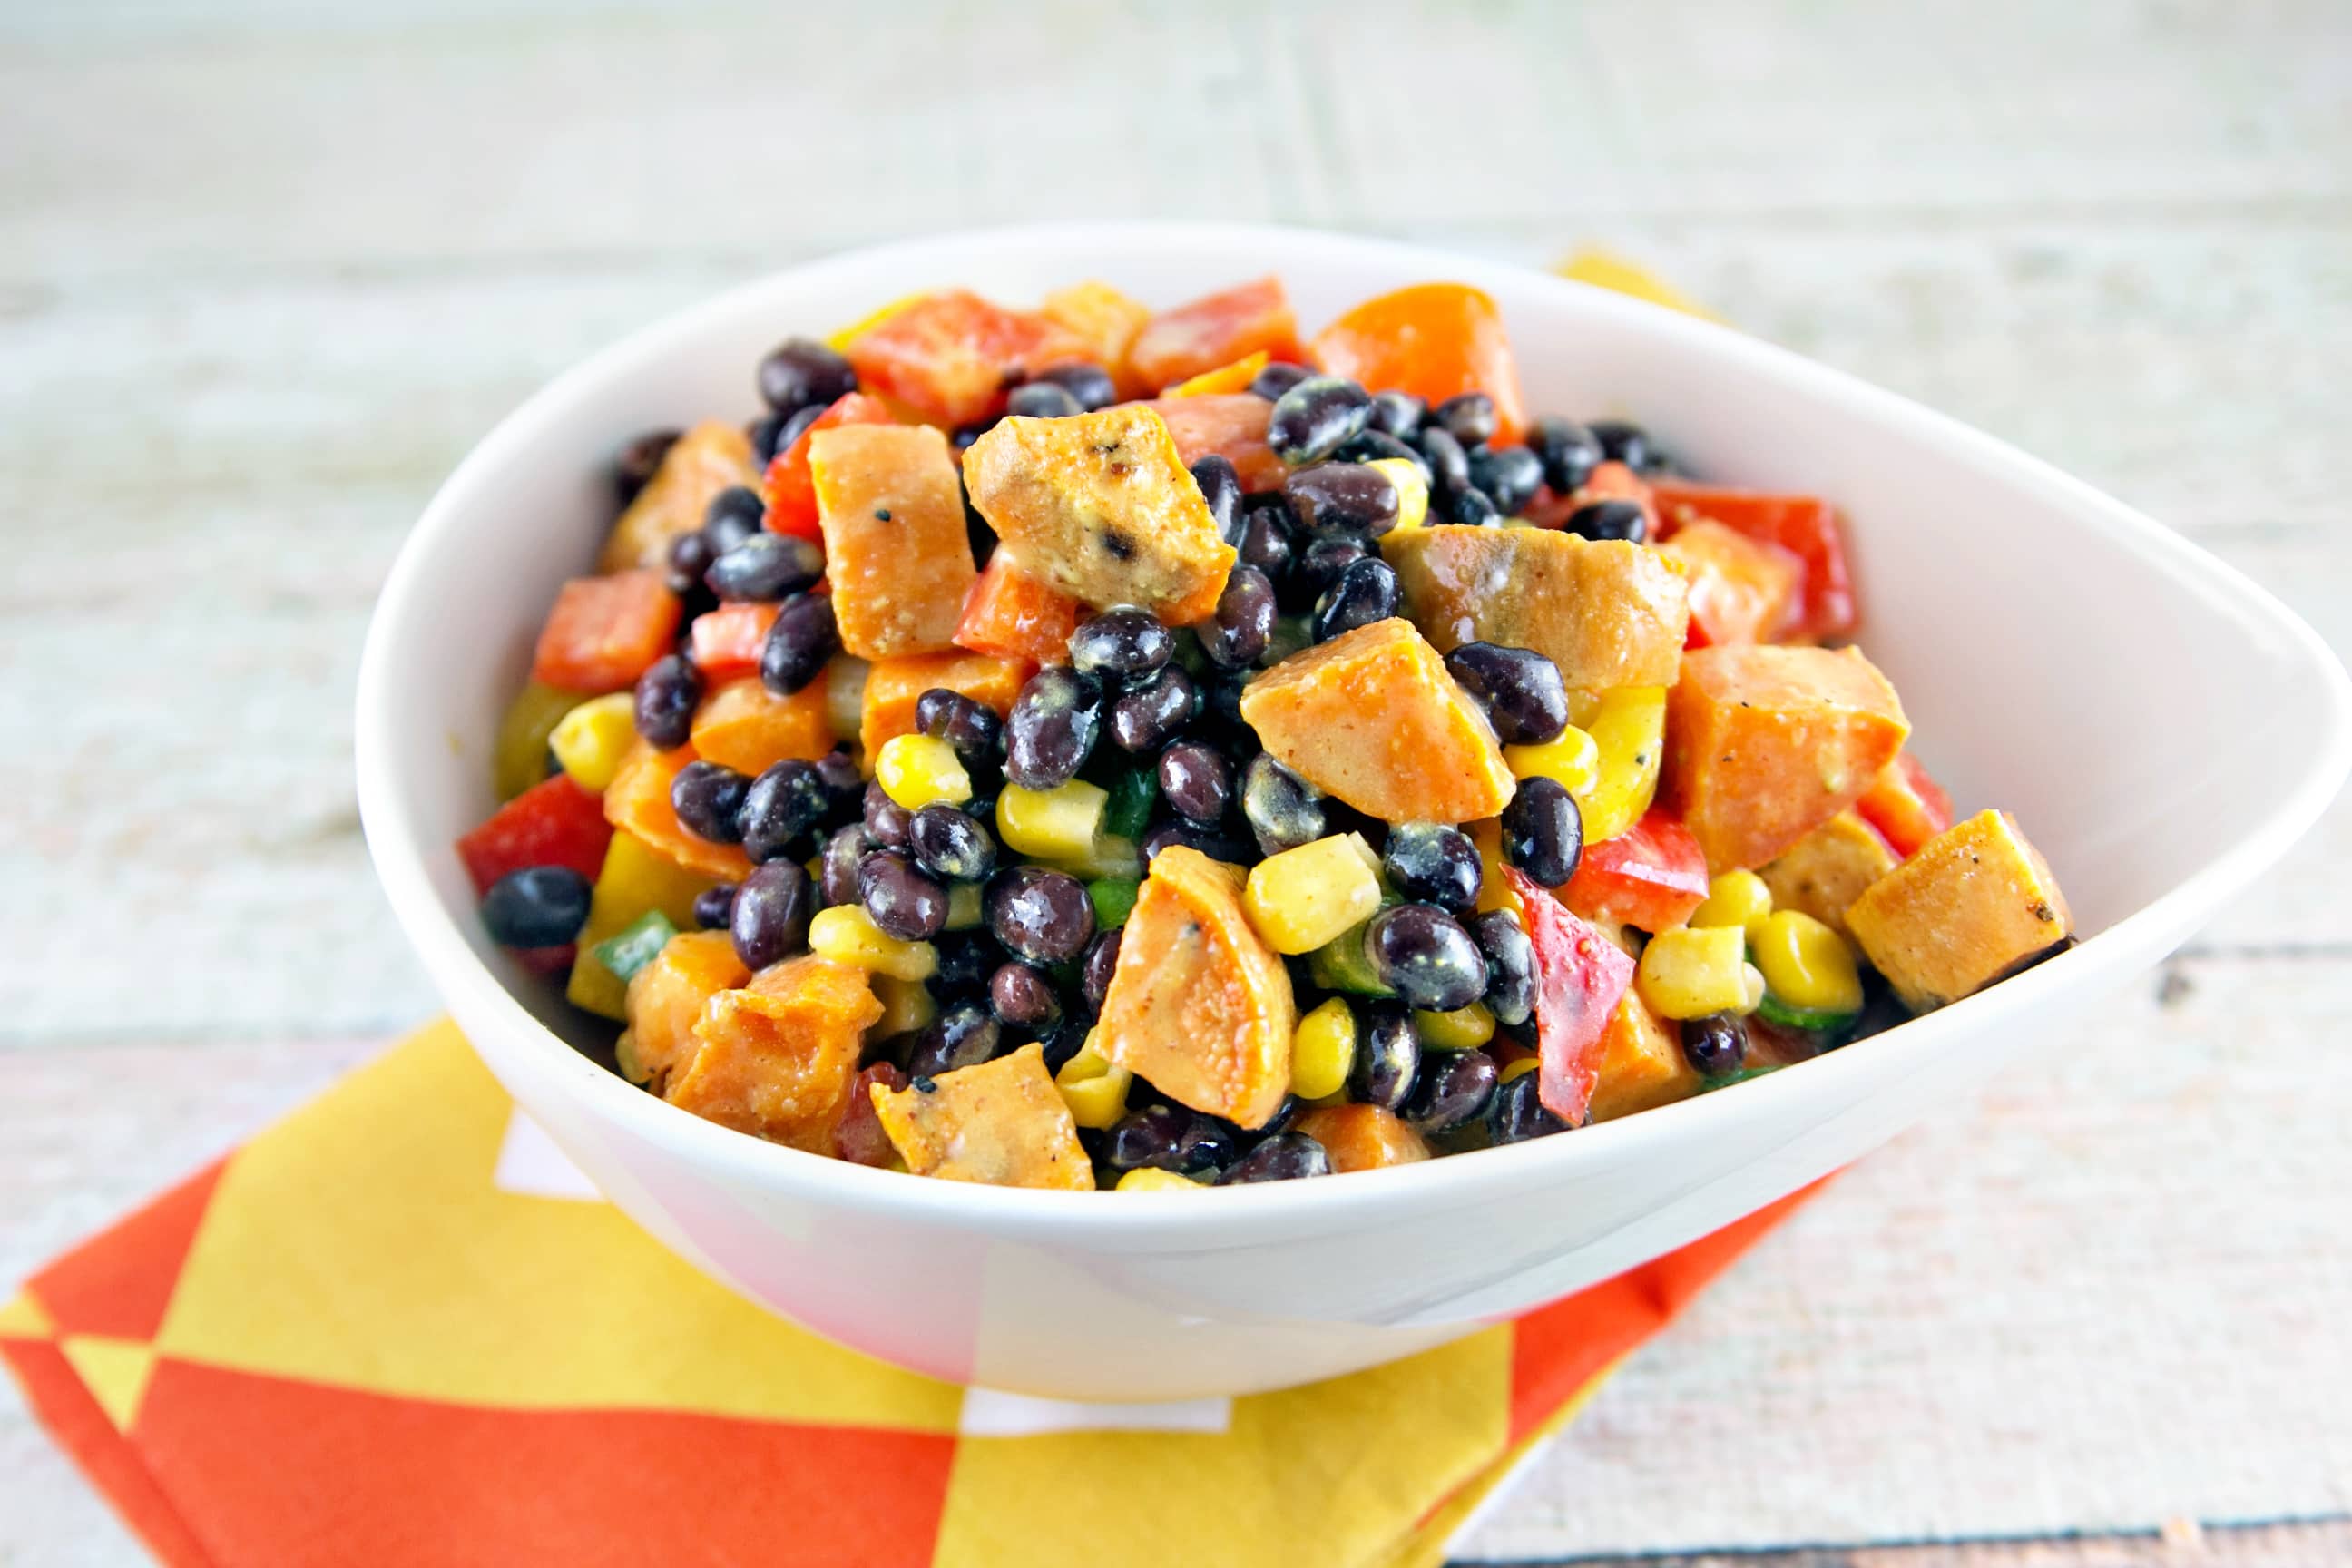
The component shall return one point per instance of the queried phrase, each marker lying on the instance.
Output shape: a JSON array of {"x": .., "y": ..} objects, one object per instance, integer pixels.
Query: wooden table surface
[{"x": 266, "y": 271}]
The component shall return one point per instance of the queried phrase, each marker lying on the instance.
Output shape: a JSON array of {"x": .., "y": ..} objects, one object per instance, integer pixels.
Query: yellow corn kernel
[
  {"x": 1098, "y": 1102},
  {"x": 1629, "y": 733},
  {"x": 916, "y": 769},
  {"x": 1573, "y": 760},
  {"x": 1464, "y": 1029},
  {"x": 1058, "y": 823},
  {"x": 1735, "y": 898},
  {"x": 519, "y": 758},
  {"x": 1753, "y": 978},
  {"x": 1107, "y": 855},
  {"x": 1150, "y": 1179},
  {"x": 965, "y": 908},
  {"x": 845, "y": 934},
  {"x": 1413, "y": 490},
  {"x": 1322, "y": 1050},
  {"x": 1584, "y": 706},
  {"x": 635, "y": 876},
  {"x": 907, "y": 1005},
  {"x": 1302, "y": 897},
  {"x": 845, "y": 696},
  {"x": 625, "y": 1057},
  {"x": 1087, "y": 1061},
  {"x": 1691, "y": 971},
  {"x": 1519, "y": 1069},
  {"x": 1493, "y": 888},
  {"x": 589, "y": 740},
  {"x": 1807, "y": 964}
]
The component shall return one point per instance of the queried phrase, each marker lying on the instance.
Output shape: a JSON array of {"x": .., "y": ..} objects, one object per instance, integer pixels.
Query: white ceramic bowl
[{"x": 2163, "y": 729}]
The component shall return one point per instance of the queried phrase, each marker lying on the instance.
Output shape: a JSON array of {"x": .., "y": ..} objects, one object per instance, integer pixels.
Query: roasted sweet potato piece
[
  {"x": 1001, "y": 1122},
  {"x": 1363, "y": 1137},
  {"x": 1827, "y": 870},
  {"x": 1432, "y": 340},
  {"x": 950, "y": 355},
  {"x": 775, "y": 1058},
  {"x": 1741, "y": 590},
  {"x": 1107, "y": 320},
  {"x": 1373, "y": 718},
  {"x": 1230, "y": 424},
  {"x": 1199, "y": 1004},
  {"x": 745, "y": 726},
  {"x": 1642, "y": 1061},
  {"x": 1765, "y": 744},
  {"x": 1205, "y": 333},
  {"x": 1101, "y": 507},
  {"x": 637, "y": 801},
  {"x": 698, "y": 466},
  {"x": 894, "y": 685},
  {"x": 666, "y": 999},
  {"x": 895, "y": 546},
  {"x": 1976, "y": 903},
  {"x": 1608, "y": 612}
]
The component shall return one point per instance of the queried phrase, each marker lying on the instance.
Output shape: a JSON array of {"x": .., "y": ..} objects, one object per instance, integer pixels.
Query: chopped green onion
[
  {"x": 637, "y": 944},
  {"x": 1129, "y": 809}
]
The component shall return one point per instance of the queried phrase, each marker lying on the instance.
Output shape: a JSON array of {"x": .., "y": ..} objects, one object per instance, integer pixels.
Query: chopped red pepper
[
  {"x": 1580, "y": 976},
  {"x": 726, "y": 642},
  {"x": 1905, "y": 806},
  {"x": 604, "y": 632},
  {"x": 791, "y": 492},
  {"x": 546, "y": 959},
  {"x": 1176, "y": 346},
  {"x": 1806, "y": 526},
  {"x": 1435, "y": 340},
  {"x": 860, "y": 1139},
  {"x": 555, "y": 823},
  {"x": 1011, "y": 614},
  {"x": 1652, "y": 876},
  {"x": 952, "y": 355},
  {"x": 1233, "y": 425}
]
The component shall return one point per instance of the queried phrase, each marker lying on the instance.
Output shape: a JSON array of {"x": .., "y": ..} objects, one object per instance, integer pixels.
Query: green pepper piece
[
  {"x": 636, "y": 945},
  {"x": 1813, "y": 1020},
  {"x": 1129, "y": 807},
  {"x": 1114, "y": 901},
  {"x": 1344, "y": 963}
]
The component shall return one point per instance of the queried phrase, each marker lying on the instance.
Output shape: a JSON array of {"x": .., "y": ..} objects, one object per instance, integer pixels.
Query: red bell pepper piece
[
  {"x": 1652, "y": 876},
  {"x": 1905, "y": 806},
  {"x": 1580, "y": 976},
  {"x": 791, "y": 492},
  {"x": 1011, "y": 614},
  {"x": 726, "y": 642},
  {"x": 1435, "y": 340},
  {"x": 555, "y": 823},
  {"x": 1176, "y": 346},
  {"x": 1806, "y": 526},
  {"x": 546, "y": 959},
  {"x": 860, "y": 1139},
  {"x": 951, "y": 356},
  {"x": 1230, "y": 424},
  {"x": 604, "y": 632}
]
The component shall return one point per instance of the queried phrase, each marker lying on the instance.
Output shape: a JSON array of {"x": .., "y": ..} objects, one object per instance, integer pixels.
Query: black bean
[
  {"x": 803, "y": 639},
  {"x": 1044, "y": 400},
  {"x": 795, "y": 425},
  {"x": 1388, "y": 1056},
  {"x": 1196, "y": 782},
  {"x": 1023, "y": 998},
  {"x": 1148, "y": 715},
  {"x": 966, "y": 959},
  {"x": 1342, "y": 497},
  {"x": 1215, "y": 846},
  {"x": 766, "y": 435},
  {"x": 887, "y": 822},
  {"x": 1314, "y": 417},
  {"x": 1449, "y": 466},
  {"x": 844, "y": 787},
  {"x": 667, "y": 694},
  {"x": 1717, "y": 1043},
  {"x": 639, "y": 461},
  {"x": 1276, "y": 379},
  {"x": 1094, "y": 973},
  {"x": 1266, "y": 534},
  {"x": 732, "y": 517},
  {"x": 1042, "y": 916},
  {"x": 1089, "y": 383},
  {"x": 1510, "y": 966},
  {"x": 802, "y": 373},
  {"x": 770, "y": 916},
  {"x": 687, "y": 559},
  {"x": 1609, "y": 519},
  {"x": 1454, "y": 1090},
  {"x": 1221, "y": 715},
  {"x": 837, "y": 870},
  {"x": 1284, "y": 810},
  {"x": 1627, "y": 443},
  {"x": 1171, "y": 1138},
  {"x": 539, "y": 906},
  {"x": 903, "y": 901},
  {"x": 765, "y": 567},
  {"x": 1053, "y": 729},
  {"x": 1237, "y": 635},
  {"x": 1285, "y": 1157},
  {"x": 1123, "y": 643},
  {"x": 1372, "y": 447},
  {"x": 1469, "y": 506},
  {"x": 1509, "y": 475},
  {"x": 1569, "y": 452},
  {"x": 1516, "y": 1112},
  {"x": 780, "y": 809},
  {"x": 1220, "y": 487},
  {"x": 709, "y": 800},
  {"x": 1398, "y": 414},
  {"x": 1521, "y": 690},
  {"x": 947, "y": 842},
  {"x": 963, "y": 435},
  {"x": 964, "y": 1034},
  {"x": 1433, "y": 863},
  {"x": 1543, "y": 831},
  {"x": 1365, "y": 593},
  {"x": 714, "y": 907},
  {"x": 1469, "y": 417},
  {"x": 1318, "y": 566},
  {"x": 970, "y": 726},
  {"x": 1423, "y": 955}
]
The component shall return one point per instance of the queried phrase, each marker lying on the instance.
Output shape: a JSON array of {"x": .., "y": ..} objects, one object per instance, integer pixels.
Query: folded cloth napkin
[{"x": 399, "y": 1327}]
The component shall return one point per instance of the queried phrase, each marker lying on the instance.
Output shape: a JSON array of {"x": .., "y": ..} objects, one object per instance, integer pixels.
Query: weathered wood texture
[{"x": 264, "y": 272}]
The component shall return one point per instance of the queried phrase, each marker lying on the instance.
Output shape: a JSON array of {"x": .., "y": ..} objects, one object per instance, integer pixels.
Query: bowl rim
[{"x": 1252, "y": 1212}]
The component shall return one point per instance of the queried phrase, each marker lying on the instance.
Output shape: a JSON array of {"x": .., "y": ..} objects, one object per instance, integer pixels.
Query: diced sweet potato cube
[
  {"x": 667, "y": 997},
  {"x": 1230, "y": 425},
  {"x": 1741, "y": 590},
  {"x": 896, "y": 550},
  {"x": 637, "y": 801},
  {"x": 1372, "y": 717},
  {"x": 1607, "y": 612},
  {"x": 950, "y": 355},
  {"x": 1002, "y": 1123},
  {"x": 1827, "y": 870},
  {"x": 1206, "y": 333},
  {"x": 707, "y": 459},
  {"x": 1434, "y": 339},
  {"x": 1363, "y": 1137},
  {"x": 1641, "y": 1062},
  {"x": 1199, "y": 1005},
  {"x": 1765, "y": 744},
  {"x": 1101, "y": 507},
  {"x": 1975, "y": 904},
  {"x": 745, "y": 726},
  {"x": 776, "y": 1057},
  {"x": 1106, "y": 321},
  {"x": 894, "y": 685}
]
